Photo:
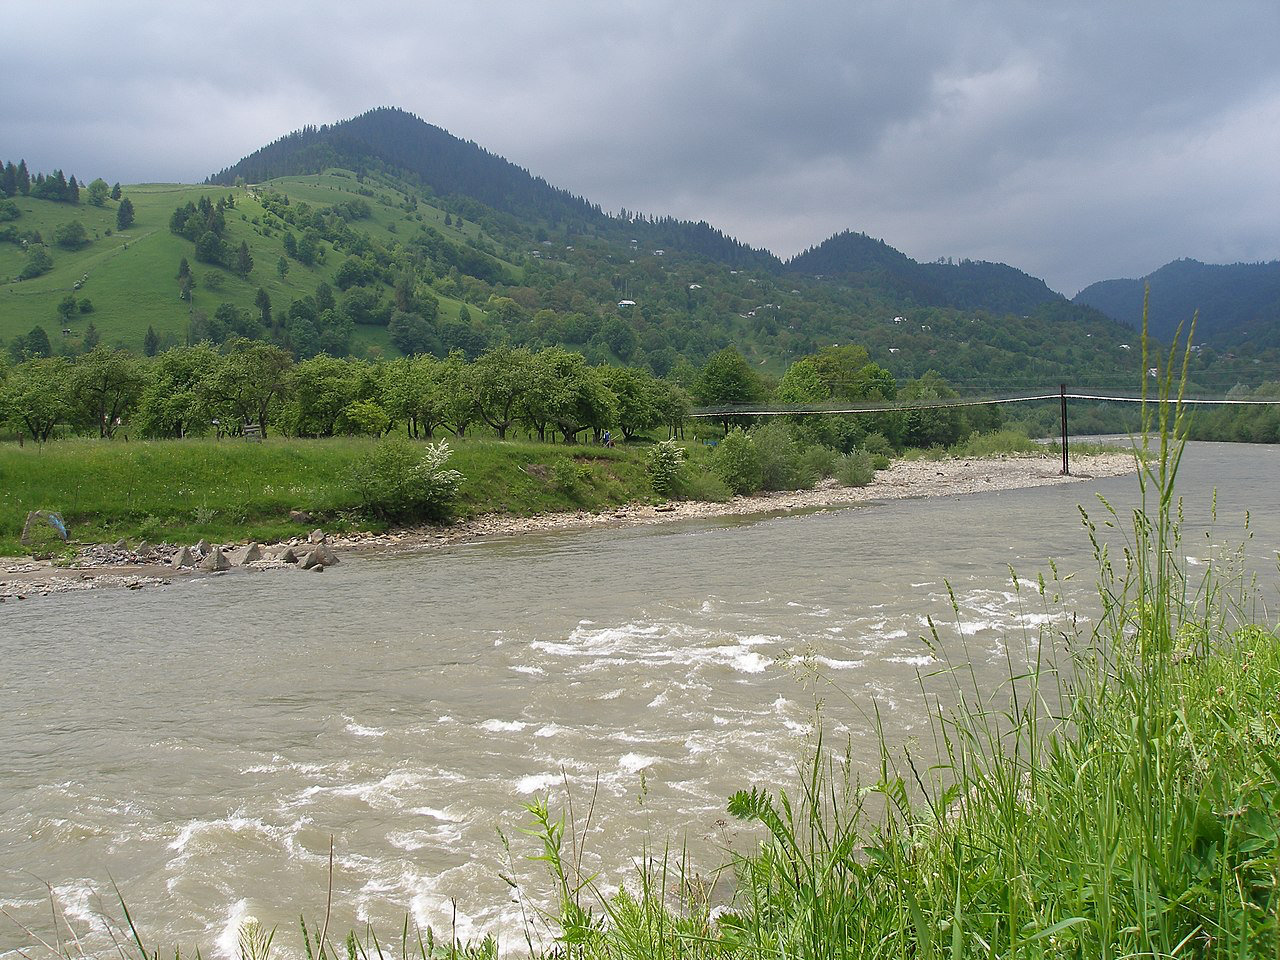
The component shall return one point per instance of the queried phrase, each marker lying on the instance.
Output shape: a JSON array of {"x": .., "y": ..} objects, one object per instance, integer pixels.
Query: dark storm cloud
[{"x": 1077, "y": 141}]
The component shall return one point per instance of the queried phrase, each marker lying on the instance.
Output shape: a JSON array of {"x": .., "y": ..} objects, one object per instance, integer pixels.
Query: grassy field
[
  {"x": 132, "y": 275},
  {"x": 182, "y": 490}
]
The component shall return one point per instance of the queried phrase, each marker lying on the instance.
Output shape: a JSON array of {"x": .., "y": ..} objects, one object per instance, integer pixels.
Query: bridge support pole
[{"x": 1066, "y": 467}]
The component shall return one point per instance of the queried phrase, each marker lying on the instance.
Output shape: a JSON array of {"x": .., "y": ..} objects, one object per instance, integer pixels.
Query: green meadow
[{"x": 236, "y": 490}]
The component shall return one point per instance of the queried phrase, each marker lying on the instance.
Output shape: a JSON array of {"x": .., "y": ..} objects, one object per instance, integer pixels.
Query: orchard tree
[
  {"x": 320, "y": 388},
  {"x": 35, "y": 395},
  {"x": 499, "y": 378},
  {"x": 250, "y": 381},
  {"x": 105, "y": 386},
  {"x": 637, "y": 395},
  {"x": 174, "y": 403}
]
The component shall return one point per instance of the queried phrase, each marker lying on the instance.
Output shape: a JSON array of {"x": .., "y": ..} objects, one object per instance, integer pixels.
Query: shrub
[
  {"x": 780, "y": 466},
  {"x": 398, "y": 483},
  {"x": 736, "y": 461},
  {"x": 877, "y": 444},
  {"x": 38, "y": 262},
  {"x": 703, "y": 485},
  {"x": 995, "y": 442},
  {"x": 567, "y": 475},
  {"x": 662, "y": 466},
  {"x": 819, "y": 462},
  {"x": 856, "y": 468},
  {"x": 71, "y": 236}
]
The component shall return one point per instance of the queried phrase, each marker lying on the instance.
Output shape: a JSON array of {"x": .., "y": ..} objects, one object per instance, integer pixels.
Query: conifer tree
[
  {"x": 244, "y": 260},
  {"x": 124, "y": 214}
]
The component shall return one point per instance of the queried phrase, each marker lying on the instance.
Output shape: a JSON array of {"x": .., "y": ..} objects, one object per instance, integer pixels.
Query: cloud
[{"x": 1076, "y": 141}]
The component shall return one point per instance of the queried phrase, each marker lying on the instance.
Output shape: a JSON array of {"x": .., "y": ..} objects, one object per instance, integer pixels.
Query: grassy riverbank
[{"x": 231, "y": 490}]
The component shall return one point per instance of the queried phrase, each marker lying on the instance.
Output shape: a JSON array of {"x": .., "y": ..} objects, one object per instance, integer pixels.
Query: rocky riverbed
[{"x": 116, "y": 565}]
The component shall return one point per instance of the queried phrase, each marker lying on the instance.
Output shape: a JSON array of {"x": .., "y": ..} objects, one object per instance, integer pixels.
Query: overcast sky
[{"x": 1075, "y": 140}]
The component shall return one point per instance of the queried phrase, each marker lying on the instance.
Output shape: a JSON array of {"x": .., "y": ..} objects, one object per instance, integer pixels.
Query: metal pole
[{"x": 1066, "y": 469}]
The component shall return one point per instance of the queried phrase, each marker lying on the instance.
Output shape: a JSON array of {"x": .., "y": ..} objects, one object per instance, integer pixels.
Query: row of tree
[{"x": 551, "y": 393}]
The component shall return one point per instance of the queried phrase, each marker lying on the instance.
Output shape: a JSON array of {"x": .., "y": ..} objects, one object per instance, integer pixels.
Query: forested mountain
[
  {"x": 1239, "y": 303},
  {"x": 855, "y": 258},
  {"x": 393, "y": 140}
]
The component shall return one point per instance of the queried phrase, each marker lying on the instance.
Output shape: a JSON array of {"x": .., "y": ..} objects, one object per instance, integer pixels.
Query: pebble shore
[{"x": 904, "y": 479}]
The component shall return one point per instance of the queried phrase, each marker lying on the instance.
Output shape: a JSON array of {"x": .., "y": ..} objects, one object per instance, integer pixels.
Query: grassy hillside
[{"x": 130, "y": 277}]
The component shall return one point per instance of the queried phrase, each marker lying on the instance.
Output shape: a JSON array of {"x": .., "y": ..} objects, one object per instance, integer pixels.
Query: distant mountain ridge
[
  {"x": 1238, "y": 303},
  {"x": 967, "y": 285}
]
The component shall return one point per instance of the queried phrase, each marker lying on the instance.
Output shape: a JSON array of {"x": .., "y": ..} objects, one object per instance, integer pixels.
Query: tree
[
  {"x": 263, "y": 302},
  {"x": 67, "y": 308},
  {"x": 282, "y": 266},
  {"x": 115, "y": 191},
  {"x": 175, "y": 403},
  {"x": 105, "y": 385},
  {"x": 71, "y": 236},
  {"x": 637, "y": 395},
  {"x": 150, "y": 342},
  {"x": 249, "y": 383},
  {"x": 35, "y": 395},
  {"x": 290, "y": 244},
  {"x": 91, "y": 337},
  {"x": 412, "y": 334},
  {"x": 36, "y": 344},
  {"x": 728, "y": 380},
  {"x": 98, "y": 192},
  {"x": 499, "y": 378},
  {"x": 320, "y": 388},
  {"x": 210, "y": 248},
  {"x": 244, "y": 260}
]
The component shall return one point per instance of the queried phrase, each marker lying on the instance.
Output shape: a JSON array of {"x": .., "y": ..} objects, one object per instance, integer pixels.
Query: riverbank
[{"x": 904, "y": 479}]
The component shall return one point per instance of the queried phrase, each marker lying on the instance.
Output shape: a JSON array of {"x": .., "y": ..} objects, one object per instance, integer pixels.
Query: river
[{"x": 200, "y": 743}]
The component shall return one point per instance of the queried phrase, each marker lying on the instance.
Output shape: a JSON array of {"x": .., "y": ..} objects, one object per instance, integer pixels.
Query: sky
[{"x": 1076, "y": 140}]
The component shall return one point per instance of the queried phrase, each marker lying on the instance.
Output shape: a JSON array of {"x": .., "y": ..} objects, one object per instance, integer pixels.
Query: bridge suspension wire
[{"x": 812, "y": 410}]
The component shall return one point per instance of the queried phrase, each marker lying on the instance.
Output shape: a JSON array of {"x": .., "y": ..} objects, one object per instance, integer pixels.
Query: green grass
[{"x": 233, "y": 490}]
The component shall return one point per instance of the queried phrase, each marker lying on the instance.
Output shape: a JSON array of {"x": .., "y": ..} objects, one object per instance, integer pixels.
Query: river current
[{"x": 199, "y": 744}]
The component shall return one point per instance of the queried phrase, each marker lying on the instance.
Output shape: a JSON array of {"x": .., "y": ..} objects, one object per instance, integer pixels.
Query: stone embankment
[
  {"x": 102, "y": 565},
  {"x": 146, "y": 564}
]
